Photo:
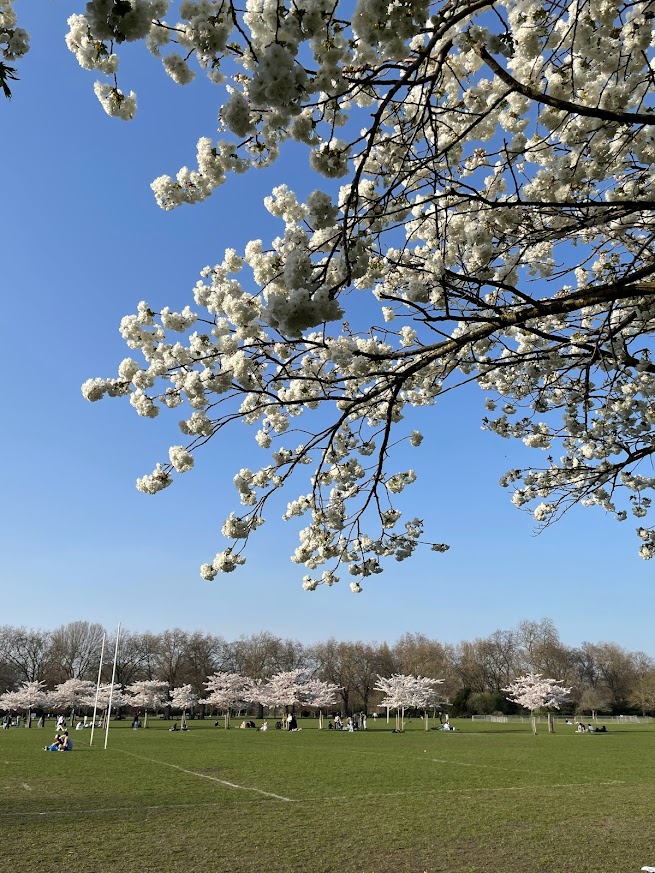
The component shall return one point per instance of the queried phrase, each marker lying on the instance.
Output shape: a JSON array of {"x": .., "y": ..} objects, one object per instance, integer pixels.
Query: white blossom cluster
[
  {"x": 29, "y": 695},
  {"x": 533, "y": 691},
  {"x": 146, "y": 694},
  {"x": 71, "y": 694},
  {"x": 495, "y": 217},
  {"x": 14, "y": 40},
  {"x": 407, "y": 692},
  {"x": 106, "y": 692},
  {"x": 14, "y": 43},
  {"x": 183, "y": 697},
  {"x": 282, "y": 689},
  {"x": 226, "y": 690}
]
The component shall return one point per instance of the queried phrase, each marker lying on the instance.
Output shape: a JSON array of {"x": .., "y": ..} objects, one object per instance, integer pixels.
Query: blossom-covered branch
[
  {"x": 14, "y": 43},
  {"x": 493, "y": 222}
]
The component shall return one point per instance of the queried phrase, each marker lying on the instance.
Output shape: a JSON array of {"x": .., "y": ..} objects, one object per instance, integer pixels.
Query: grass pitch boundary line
[
  {"x": 211, "y": 778},
  {"x": 101, "y": 810},
  {"x": 472, "y": 790},
  {"x": 536, "y": 787},
  {"x": 62, "y": 813},
  {"x": 476, "y": 764}
]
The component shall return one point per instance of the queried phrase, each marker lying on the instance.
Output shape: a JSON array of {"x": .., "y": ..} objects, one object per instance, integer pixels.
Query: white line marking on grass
[
  {"x": 498, "y": 767},
  {"x": 542, "y": 787},
  {"x": 473, "y": 764},
  {"x": 467, "y": 790},
  {"x": 61, "y": 813},
  {"x": 130, "y": 810},
  {"x": 211, "y": 778}
]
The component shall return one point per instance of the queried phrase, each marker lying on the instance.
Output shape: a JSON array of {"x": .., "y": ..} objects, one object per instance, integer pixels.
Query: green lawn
[{"x": 487, "y": 797}]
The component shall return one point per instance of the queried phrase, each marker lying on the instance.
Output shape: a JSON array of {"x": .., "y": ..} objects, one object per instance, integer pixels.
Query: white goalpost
[
  {"x": 111, "y": 689},
  {"x": 95, "y": 702}
]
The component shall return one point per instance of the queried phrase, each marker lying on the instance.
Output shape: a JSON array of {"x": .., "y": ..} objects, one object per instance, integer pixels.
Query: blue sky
[{"x": 82, "y": 242}]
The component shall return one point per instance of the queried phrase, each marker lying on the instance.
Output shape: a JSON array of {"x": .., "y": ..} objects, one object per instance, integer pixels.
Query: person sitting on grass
[
  {"x": 54, "y": 747},
  {"x": 62, "y": 743}
]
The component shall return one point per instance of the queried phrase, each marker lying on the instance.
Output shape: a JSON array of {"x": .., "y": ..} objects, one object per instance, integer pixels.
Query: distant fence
[
  {"x": 609, "y": 719},
  {"x": 492, "y": 717}
]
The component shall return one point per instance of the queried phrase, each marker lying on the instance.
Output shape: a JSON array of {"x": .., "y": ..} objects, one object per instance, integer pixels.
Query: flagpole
[
  {"x": 111, "y": 690},
  {"x": 95, "y": 703}
]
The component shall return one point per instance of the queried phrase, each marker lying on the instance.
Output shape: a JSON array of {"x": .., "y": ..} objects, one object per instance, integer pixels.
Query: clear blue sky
[{"x": 82, "y": 242}]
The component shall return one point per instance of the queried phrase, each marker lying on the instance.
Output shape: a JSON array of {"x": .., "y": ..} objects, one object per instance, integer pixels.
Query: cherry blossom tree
[
  {"x": 183, "y": 698},
  {"x": 28, "y": 696},
  {"x": 318, "y": 694},
  {"x": 147, "y": 694},
  {"x": 283, "y": 690},
  {"x": 105, "y": 694},
  {"x": 71, "y": 695},
  {"x": 483, "y": 212},
  {"x": 534, "y": 692},
  {"x": 288, "y": 688},
  {"x": 423, "y": 695},
  {"x": 403, "y": 692},
  {"x": 227, "y": 690}
]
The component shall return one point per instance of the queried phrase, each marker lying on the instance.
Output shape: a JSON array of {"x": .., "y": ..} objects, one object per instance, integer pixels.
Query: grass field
[{"x": 487, "y": 797}]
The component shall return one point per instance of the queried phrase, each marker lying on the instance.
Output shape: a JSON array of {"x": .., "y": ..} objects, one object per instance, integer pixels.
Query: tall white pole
[
  {"x": 111, "y": 690},
  {"x": 95, "y": 702}
]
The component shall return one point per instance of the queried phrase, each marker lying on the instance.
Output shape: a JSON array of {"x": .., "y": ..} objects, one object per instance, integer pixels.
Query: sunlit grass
[{"x": 484, "y": 798}]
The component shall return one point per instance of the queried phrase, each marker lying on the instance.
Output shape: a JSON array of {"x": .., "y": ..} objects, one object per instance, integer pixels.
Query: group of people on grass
[
  {"x": 352, "y": 724},
  {"x": 590, "y": 729},
  {"x": 290, "y": 723}
]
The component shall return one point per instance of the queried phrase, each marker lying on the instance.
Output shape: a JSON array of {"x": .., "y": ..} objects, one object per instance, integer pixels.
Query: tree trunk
[
  {"x": 551, "y": 723},
  {"x": 534, "y": 725}
]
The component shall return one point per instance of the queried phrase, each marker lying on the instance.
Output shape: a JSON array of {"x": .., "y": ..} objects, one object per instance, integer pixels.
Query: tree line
[{"x": 603, "y": 676}]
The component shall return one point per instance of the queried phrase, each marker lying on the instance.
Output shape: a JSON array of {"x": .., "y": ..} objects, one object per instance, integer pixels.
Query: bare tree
[
  {"x": 76, "y": 650},
  {"x": 172, "y": 653},
  {"x": 542, "y": 650},
  {"x": 27, "y": 653}
]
